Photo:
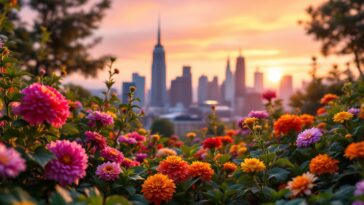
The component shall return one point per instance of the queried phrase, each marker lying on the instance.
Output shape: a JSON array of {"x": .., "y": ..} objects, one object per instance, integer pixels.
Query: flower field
[{"x": 57, "y": 150}]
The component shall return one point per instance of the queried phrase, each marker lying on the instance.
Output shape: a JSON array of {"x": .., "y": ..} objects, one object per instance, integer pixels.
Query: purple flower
[
  {"x": 243, "y": 130},
  {"x": 308, "y": 137},
  {"x": 127, "y": 140},
  {"x": 138, "y": 137},
  {"x": 140, "y": 157},
  {"x": 260, "y": 114},
  {"x": 108, "y": 171},
  {"x": 359, "y": 188},
  {"x": 70, "y": 164},
  {"x": 99, "y": 117},
  {"x": 131, "y": 138},
  {"x": 354, "y": 111},
  {"x": 96, "y": 139},
  {"x": 358, "y": 203},
  {"x": 112, "y": 154},
  {"x": 11, "y": 163}
]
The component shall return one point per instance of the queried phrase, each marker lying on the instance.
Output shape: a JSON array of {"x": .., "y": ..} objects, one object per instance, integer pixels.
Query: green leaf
[
  {"x": 20, "y": 123},
  {"x": 283, "y": 162},
  {"x": 278, "y": 174},
  {"x": 41, "y": 156},
  {"x": 117, "y": 200}
]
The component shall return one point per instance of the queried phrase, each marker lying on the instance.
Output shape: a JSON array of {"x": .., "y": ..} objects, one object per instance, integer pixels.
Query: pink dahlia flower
[
  {"x": 42, "y": 103},
  {"x": 112, "y": 154},
  {"x": 11, "y": 163},
  {"x": 70, "y": 164},
  {"x": 131, "y": 138},
  {"x": 108, "y": 171},
  {"x": 128, "y": 163},
  {"x": 96, "y": 139},
  {"x": 102, "y": 118}
]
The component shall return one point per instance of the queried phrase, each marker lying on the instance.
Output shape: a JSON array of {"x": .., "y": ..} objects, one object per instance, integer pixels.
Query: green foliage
[{"x": 164, "y": 127}]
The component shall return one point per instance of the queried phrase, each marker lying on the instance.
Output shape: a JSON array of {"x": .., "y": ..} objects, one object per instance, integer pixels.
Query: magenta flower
[
  {"x": 108, "y": 171},
  {"x": 11, "y": 163},
  {"x": 308, "y": 137},
  {"x": 128, "y": 163},
  {"x": 269, "y": 95},
  {"x": 140, "y": 157},
  {"x": 42, "y": 103},
  {"x": 112, "y": 154},
  {"x": 359, "y": 188},
  {"x": 97, "y": 117},
  {"x": 96, "y": 139},
  {"x": 260, "y": 114},
  {"x": 70, "y": 164},
  {"x": 131, "y": 138}
]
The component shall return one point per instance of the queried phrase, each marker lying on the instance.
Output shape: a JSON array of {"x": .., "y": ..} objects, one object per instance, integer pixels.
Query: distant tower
[
  {"x": 125, "y": 91},
  {"x": 258, "y": 81},
  {"x": 229, "y": 85},
  {"x": 213, "y": 89},
  {"x": 240, "y": 86},
  {"x": 181, "y": 88},
  {"x": 139, "y": 82},
  {"x": 286, "y": 90},
  {"x": 203, "y": 82},
  {"x": 158, "y": 88}
]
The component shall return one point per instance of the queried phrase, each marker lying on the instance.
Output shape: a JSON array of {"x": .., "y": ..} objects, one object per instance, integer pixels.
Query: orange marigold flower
[
  {"x": 323, "y": 164},
  {"x": 202, "y": 170},
  {"x": 158, "y": 188},
  {"x": 328, "y": 98},
  {"x": 321, "y": 125},
  {"x": 230, "y": 133},
  {"x": 321, "y": 111},
  {"x": 226, "y": 139},
  {"x": 287, "y": 123},
  {"x": 307, "y": 120},
  {"x": 301, "y": 185},
  {"x": 238, "y": 149},
  {"x": 175, "y": 168},
  {"x": 249, "y": 122},
  {"x": 355, "y": 150},
  {"x": 191, "y": 135},
  {"x": 212, "y": 142},
  {"x": 229, "y": 167},
  {"x": 341, "y": 117},
  {"x": 251, "y": 165}
]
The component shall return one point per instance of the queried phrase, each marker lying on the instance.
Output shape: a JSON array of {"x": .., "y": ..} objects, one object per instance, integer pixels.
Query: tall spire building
[
  {"x": 229, "y": 84},
  {"x": 158, "y": 88},
  {"x": 240, "y": 86}
]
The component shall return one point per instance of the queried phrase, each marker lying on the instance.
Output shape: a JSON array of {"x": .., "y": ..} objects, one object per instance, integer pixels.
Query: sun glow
[{"x": 274, "y": 74}]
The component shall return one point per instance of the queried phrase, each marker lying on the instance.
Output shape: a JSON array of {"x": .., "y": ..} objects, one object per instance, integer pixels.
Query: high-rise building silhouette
[
  {"x": 240, "y": 86},
  {"x": 139, "y": 82},
  {"x": 181, "y": 88},
  {"x": 125, "y": 91},
  {"x": 229, "y": 85},
  {"x": 203, "y": 82},
  {"x": 258, "y": 81},
  {"x": 286, "y": 90},
  {"x": 158, "y": 88},
  {"x": 213, "y": 89}
]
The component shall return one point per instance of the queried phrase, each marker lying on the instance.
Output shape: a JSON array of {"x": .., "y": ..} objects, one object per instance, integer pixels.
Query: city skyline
[{"x": 204, "y": 46}]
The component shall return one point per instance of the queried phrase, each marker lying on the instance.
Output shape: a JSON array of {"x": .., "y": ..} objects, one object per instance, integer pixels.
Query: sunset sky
[{"x": 203, "y": 33}]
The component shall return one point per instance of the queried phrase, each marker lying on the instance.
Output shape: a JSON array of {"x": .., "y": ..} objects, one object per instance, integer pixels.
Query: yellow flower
[
  {"x": 112, "y": 114},
  {"x": 341, "y": 117},
  {"x": 142, "y": 131},
  {"x": 252, "y": 165},
  {"x": 158, "y": 188},
  {"x": 23, "y": 203},
  {"x": 156, "y": 137},
  {"x": 302, "y": 184},
  {"x": 250, "y": 122},
  {"x": 191, "y": 135}
]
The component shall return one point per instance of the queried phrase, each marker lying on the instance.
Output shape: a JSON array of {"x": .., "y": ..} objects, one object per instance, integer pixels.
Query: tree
[
  {"x": 338, "y": 24},
  {"x": 61, "y": 36},
  {"x": 163, "y": 127}
]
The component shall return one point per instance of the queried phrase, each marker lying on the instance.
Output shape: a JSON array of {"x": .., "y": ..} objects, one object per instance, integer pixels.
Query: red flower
[
  {"x": 213, "y": 142},
  {"x": 269, "y": 95}
]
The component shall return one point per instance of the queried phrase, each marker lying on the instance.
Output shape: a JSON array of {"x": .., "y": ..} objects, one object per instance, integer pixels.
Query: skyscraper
[
  {"x": 286, "y": 90},
  {"x": 258, "y": 81},
  {"x": 202, "y": 88},
  {"x": 139, "y": 82},
  {"x": 125, "y": 91},
  {"x": 158, "y": 88},
  {"x": 213, "y": 89},
  {"x": 240, "y": 86},
  {"x": 181, "y": 88},
  {"x": 229, "y": 90}
]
